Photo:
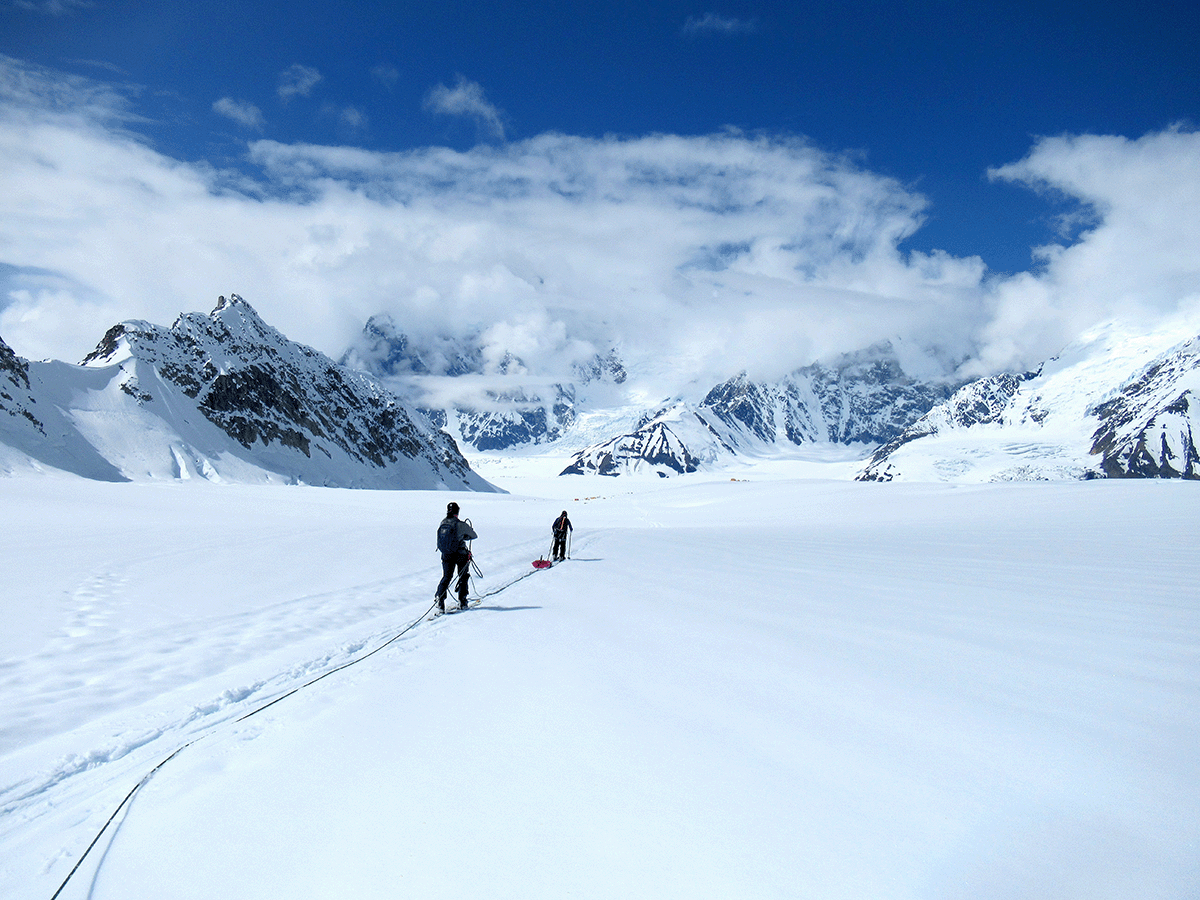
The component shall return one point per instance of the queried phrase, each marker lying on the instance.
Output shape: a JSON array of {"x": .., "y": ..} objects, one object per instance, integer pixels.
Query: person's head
[
  {"x": 564, "y": 512},
  {"x": 452, "y": 509}
]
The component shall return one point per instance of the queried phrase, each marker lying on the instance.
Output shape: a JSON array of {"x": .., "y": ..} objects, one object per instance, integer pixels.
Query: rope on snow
[{"x": 146, "y": 778}]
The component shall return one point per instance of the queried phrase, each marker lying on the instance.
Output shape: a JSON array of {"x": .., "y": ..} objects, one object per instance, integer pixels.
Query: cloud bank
[
  {"x": 696, "y": 256},
  {"x": 1138, "y": 261}
]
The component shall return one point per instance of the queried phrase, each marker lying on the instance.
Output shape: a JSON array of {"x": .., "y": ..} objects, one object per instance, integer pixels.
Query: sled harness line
[
  {"x": 146, "y": 778},
  {"x": 121, "y": 806}
]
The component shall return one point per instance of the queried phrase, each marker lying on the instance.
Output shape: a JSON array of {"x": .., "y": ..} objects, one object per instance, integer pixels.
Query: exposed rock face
[
  {"x": 658, "y": 445},
  {"x": 528, "y": 421},
  {"x": 226, "y": 396},
  {"x": 863, "y": 398},
  {"x": 1149, "y": 429},
  {"x": 981, "y": 402},
  {"x": 15, "y": 397},
  {"x": 1115, "y": 407}
]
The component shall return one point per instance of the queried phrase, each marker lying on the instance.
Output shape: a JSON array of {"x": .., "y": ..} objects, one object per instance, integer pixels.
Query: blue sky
[{"x": 925, "y": 101}]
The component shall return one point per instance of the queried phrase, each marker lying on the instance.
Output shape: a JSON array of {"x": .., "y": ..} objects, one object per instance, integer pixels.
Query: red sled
[{"x": 542, "y": 564}]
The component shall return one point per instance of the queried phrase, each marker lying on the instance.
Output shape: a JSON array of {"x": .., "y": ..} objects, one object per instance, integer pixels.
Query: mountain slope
[
  {"x": 34, "y": 432},
  {"x": 676, "y": 440},
  {"x": 228, "y": 398},
  {"x": 862, "y": 398},
  {"x": 1114, "y": 403},
  {"x": 1150, "y": 429}
]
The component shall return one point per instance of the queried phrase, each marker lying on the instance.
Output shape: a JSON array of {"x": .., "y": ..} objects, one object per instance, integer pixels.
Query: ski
[{"x": 449, "y": 611}]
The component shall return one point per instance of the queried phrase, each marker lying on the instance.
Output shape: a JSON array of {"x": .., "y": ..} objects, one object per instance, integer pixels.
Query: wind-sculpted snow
[{"x": 35, "y": 432}]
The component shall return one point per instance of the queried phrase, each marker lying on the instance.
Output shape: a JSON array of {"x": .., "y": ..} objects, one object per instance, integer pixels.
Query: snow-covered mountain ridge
[
  {"x": 1150, "y": 428},
  {"x": 223, "y": 397},
  {"x": 863, "y": 398},
  {"x": 489, "y": 402},
  {"x": 1112, "y": 404},
  {"x": 1118, "y": 403}
]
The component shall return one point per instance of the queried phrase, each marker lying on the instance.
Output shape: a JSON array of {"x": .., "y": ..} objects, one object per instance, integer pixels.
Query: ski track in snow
[
  {"x": 124, "y": 671},
  {"x": 770, "y": 690},
  {"x": 133, "y": 695}
]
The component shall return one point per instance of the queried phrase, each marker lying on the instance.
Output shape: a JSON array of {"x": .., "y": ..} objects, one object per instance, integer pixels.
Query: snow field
[{"x": 734, "y": 689}]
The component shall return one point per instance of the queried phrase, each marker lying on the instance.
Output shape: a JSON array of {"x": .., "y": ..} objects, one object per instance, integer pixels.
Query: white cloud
[
  {"x": 245, "y": 114},
  {"x": 467, "y": 99},
  {"x": 386, "y": 74},
  {"x": 297, "y": 81},
  {"x": 698, "y": 256},
  {"x": 712, "y": 23},
  {"x": 1138, "y": 261}
]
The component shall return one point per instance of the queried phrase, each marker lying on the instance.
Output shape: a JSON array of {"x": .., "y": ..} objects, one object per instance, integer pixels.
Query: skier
[
  {"x": 452, "y": 537},
  {"x": 561, "y": 525}
]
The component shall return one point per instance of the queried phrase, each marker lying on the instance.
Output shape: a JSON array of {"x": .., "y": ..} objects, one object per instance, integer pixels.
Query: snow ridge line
[{"x": 146, "y": 778}]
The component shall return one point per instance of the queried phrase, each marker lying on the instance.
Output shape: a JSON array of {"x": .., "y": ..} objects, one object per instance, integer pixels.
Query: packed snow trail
[
  {"x": 768, "y": 690},
  {"x": 126, "y": 802},
  {"x": 93, "y": 709}
]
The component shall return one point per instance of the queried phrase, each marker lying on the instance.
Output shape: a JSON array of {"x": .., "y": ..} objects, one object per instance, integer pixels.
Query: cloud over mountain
[{"x": 698, "y": 255}]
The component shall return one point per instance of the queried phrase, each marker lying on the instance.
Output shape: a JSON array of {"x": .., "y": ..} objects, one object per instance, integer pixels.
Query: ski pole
[{"x": 570, "y": 540}]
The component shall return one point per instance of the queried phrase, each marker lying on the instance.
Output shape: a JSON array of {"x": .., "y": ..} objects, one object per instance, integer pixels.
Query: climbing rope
[{"x": 146, "y": 778}]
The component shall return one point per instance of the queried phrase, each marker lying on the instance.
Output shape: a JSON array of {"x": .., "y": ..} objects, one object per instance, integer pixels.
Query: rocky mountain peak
[
  {"x": 1151, "y": 428},
  {"x": 276, "y": 405},
  {"x": 12, "y": 367}
]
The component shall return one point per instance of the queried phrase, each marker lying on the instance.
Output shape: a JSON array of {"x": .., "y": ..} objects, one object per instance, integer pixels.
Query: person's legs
[
  {"x": 448, "y": 563},
  {"x": 464, "y": 573}
]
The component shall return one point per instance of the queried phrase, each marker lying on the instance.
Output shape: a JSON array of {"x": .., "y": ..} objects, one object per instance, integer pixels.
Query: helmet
[{"x": 452, "y": 508}]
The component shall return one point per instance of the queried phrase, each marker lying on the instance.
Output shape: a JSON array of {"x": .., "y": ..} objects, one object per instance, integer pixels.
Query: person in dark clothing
[
  {"x": 452, "y": 537},
  {"x": 561, "y": 526}
]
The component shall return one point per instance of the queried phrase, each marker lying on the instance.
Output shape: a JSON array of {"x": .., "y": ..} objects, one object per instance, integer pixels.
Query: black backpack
[{"x": 448, "y": 540}]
